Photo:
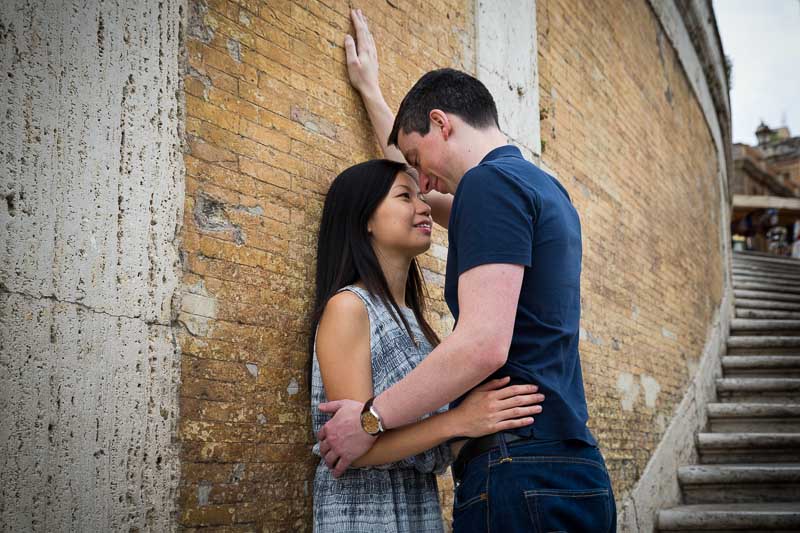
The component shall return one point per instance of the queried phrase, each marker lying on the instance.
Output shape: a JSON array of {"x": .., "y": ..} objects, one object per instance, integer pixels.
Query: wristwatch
[{"x": 370, "y": 419}]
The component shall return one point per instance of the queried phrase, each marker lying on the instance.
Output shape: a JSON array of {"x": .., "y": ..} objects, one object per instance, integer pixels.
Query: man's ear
[{"x": 440, "y": 119}]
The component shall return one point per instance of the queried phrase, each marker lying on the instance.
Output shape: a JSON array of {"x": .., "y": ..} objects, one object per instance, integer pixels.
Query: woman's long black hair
[{"x": 345, "y": 254}]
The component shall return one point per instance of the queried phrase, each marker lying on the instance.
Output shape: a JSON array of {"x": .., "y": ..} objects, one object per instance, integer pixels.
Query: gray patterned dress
[{"x": 398, "y": 497}]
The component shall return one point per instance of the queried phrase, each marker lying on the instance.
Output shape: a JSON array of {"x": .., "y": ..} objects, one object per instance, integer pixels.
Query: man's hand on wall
[
  {"x": 362, "y": 56},
  {"x": 341, "y": 439}
]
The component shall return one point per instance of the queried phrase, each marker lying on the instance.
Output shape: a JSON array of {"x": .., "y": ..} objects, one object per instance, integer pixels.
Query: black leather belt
[{"x": 475, "y": 447}]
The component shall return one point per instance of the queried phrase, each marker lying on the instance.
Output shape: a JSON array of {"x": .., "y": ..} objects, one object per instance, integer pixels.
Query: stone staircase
[{"x": 748, "y": 478}]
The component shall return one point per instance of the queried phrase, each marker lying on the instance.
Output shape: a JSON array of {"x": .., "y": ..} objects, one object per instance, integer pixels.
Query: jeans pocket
[
  {"x": 471, "y": 515},
  {"x": 564, "y": 510}
]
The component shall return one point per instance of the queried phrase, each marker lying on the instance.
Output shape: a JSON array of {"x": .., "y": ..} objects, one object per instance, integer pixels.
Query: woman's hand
[
  {"x": 493, "y": 407},
  {"x": 362, "y": 56}
]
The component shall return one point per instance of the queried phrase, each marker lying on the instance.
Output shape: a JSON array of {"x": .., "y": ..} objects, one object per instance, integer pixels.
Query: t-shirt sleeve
[{"x": 494, "y": 220}]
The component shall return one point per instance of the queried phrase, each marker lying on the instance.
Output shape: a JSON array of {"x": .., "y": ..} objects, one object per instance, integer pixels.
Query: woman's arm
[
  {"x": 345, "y": 361},
  {"x": 362, "y": 68},
  {"x": 489, "y": 408},
  {"x": 410, "y": 440}
]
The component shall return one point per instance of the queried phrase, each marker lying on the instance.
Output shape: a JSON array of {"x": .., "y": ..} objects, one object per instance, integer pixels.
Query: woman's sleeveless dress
[{"x": 398, "y": 497}]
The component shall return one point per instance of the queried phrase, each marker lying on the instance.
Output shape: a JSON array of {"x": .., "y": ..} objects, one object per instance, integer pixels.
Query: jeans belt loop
[{"x": 480, "y": 445}]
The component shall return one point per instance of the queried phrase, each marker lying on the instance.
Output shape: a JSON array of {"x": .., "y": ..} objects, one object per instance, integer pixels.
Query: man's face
[{"x": 427, "y": 154}]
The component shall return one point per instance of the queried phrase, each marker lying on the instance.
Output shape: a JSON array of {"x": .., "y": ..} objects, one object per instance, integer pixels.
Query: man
[{"x": 513, "y": 286}]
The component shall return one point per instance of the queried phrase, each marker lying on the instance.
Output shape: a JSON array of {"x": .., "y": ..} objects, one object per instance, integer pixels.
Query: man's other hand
[{"x": 342, "y": 440}]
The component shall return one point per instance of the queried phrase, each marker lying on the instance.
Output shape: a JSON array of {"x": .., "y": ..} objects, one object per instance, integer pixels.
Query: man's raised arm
[
  {"x": 488, "y": 297},
  {"x": 362, "y": 69}
]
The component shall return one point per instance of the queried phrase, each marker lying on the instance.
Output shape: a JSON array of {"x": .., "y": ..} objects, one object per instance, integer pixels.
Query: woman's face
[{"x": 402, "y": 222}]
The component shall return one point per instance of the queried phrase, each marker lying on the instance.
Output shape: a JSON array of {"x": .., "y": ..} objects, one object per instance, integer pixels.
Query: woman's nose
[{"x": 423, "y": 206}]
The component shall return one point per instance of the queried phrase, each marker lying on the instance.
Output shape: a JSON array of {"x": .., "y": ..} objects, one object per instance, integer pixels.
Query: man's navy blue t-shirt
[{"x": 507, "y": 210}]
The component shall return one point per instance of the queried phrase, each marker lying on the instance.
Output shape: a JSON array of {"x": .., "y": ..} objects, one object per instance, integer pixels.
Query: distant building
[{"x": 772, "y": 168}]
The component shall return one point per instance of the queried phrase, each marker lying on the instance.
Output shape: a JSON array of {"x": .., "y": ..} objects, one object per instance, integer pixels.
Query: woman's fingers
[
  {"x": 519, "y": 412},
  {"x": 514, "y": 424},
  {"x": 493, "y": 384},
  {"x": 519, "y": 401},
  {"x": 514, "y": 390}
]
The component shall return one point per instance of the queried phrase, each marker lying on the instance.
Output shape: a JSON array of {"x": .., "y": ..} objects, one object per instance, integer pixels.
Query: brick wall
[
  {"x": 270, "y": 120},
  {"x": 622, "y": 130}
]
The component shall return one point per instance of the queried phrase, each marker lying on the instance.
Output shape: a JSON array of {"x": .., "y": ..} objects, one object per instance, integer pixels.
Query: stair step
[
  {"x": 760, "y": 265},
  {"x": 789, "y": 270},
  {"x": 779, "y": 482},
  {"x": 763, "y": 344},
  {"x": 770, "y": 260},
  {"x": 767, "y": 324},
  {"x": 758, "y": 384},
  {"x": 760, "y": 277},
  {"x": 787, "y": 366},
  {"x": 754, "y": 417},
  {"x": 762, "y": 390},
  {"x": 776, "y": 517},
  {"x": 764, "y": 313},
  {"x": 773, "y": 296},
  {"x": 766, "y": 286},
  {"x": 755, "y": 303},
  {"x": 764, "y": 257},
  {"x": 769, "y": 278},
  {"x": 765, "y": 264},
  {"x": 757, "y": 254},
  {"x": 729, "y": 448}
]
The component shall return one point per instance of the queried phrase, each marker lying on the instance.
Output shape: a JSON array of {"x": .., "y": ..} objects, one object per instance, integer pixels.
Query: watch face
[{"x": 369, "y": 423}]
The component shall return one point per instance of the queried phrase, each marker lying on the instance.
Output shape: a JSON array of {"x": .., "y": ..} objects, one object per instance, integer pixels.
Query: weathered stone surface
[{"x": 92, "y": 174}]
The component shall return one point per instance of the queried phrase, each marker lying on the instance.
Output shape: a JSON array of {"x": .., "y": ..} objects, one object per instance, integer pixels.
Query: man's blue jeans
[{"x": 537, "y": 486}]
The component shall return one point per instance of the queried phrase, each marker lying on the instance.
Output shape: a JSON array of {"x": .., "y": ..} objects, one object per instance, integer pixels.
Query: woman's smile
[{"x": 424, "y": 227}]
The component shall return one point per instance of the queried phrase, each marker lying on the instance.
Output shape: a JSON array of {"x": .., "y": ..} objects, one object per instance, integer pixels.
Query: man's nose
[{"x": 424, "y": 183}]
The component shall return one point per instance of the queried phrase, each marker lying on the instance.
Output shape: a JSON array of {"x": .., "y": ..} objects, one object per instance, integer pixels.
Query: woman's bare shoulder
[
  {"x": 344, "y": 318},
  {"x": 345, "y": 304}
]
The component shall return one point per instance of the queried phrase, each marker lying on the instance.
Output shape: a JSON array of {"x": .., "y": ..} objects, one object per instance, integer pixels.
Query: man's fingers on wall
[
  {"x": 361, "y": 28},
  {"x": 350, "y": 49}
]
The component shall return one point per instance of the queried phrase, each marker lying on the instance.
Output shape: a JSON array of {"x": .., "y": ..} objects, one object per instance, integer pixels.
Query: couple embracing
[{"x": 501, "y": 399}]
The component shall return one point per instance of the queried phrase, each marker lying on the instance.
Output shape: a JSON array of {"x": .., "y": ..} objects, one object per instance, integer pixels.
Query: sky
[{"x": 762, "y": 39}]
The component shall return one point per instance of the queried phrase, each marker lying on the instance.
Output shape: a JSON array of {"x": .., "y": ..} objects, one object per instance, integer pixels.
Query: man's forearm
[
  {"x": 382, "y": 120},
  {"x": 457, "y": 365}
]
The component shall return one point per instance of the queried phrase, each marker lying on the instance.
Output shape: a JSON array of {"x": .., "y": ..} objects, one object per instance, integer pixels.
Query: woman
[{"x": 371, "y": 332}]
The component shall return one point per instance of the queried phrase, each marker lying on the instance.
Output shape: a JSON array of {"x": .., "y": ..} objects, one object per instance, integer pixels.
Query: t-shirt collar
[{"x": 501, "y": 151}]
